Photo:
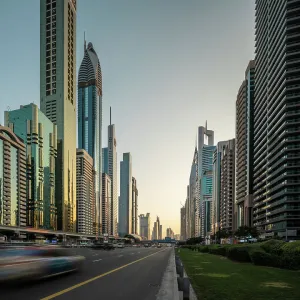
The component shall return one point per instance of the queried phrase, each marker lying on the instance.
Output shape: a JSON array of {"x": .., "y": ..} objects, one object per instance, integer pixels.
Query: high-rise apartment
[
  {"x": 134, "y": 218},
  {"x": 170, "y": 233},
  {"x": 187, "y": 214},
  {"x": 217, "y": 191},
  {"x": 106, "y": 203},
  {"x": 13, "y": 206},
  {"x": 58, "y": 98},
  {"x": 227, "y": 185},
  {"x": 206, "y": 149},
  {"x": 90, "y": 117},
  {"x": 155, "y": 231},
  {"x": 112, "y": 172},
  {"x": 276, "y": 205},
  {"x": 125, "y": 202},
  {"x": 145, "y": 226},
  {"x": 40, "y": 137},
  {"x": 244, "y": 148},
  {"x": 86, "y": 206}
]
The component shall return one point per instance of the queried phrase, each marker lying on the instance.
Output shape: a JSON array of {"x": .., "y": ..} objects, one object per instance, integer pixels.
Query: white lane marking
[
  {"x": 97, "y": 260},
  {"x": 120, "y": 255}
]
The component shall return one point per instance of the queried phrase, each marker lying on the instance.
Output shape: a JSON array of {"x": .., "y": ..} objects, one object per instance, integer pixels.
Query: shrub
[
  {"x": 273, "y": 246},
  {"x": 204, "y": 249},
  {"x": 261, "y": 258},
  {"x": 218, "y": 250},
  {"x": 238, "y": 253}
]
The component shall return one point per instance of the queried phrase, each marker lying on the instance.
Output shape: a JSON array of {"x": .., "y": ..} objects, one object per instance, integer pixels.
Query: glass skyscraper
[
  {"x": 58, "y": 98},
  {"x": 40, "y": 137},
  {"x": 90, "y": 118}
]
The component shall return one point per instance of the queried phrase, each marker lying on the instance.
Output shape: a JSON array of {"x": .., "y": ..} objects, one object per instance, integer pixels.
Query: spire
[
  {"x": 110, "y": 115},
  {"x": 206, "y": 126},
  {"x": 196, "y": 142},
  {"x": 84, "y": 42}
]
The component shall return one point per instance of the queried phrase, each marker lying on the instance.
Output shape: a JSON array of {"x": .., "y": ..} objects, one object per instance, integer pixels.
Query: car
[
  {"x": 120, "y": 245},
  {"x": 159, "y": 246},
  {"x": 34, "y": 263}
]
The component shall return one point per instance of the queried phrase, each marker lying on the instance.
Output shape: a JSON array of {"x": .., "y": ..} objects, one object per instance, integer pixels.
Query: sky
[{"x": 167, "y": 67}]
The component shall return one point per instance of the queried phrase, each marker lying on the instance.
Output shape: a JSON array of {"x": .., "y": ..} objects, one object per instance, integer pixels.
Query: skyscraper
[
  {"x": 13, "y": 206},
  {"x": 85, "y": 181},
  {"x": 276, "y": 207},
  {"x": 125, "y": 202},
  {"x": 134, "y": 218},
  {"x": 244, "y": 148},
  {"x": 205, "y": 169},
  {"x": 90, "y": 118},
  {"x": 39, "y": 135},
  {"x": 58, "y": 98},
  {"x": 145, "y": 226},
  {"x": 113, "y": 174}
]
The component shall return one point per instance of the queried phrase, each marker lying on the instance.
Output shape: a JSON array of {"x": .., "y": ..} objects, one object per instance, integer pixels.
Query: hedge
[{"x": 272, "y": 253}]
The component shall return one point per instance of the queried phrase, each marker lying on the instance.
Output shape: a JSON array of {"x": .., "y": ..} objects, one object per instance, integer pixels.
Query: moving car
[{"x": 33, "y": 263}]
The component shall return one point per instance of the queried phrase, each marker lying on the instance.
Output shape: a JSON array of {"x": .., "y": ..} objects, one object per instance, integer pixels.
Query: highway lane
[{"x": 129, "y": 273}]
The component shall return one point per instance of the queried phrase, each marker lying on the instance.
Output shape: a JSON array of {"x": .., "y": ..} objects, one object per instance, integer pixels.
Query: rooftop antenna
[
  {"x": 84, "y": 41},
  {"x": 110, "y": 115},
  {"x": 206, "y": 126}
]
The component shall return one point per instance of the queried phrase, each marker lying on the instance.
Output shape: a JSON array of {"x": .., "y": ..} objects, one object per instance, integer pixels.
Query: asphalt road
[{"x": 127, "y": 274}]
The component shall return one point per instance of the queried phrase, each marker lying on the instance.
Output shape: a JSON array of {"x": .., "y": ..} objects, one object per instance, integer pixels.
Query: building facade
[
  {"x": 40, "y": 137},
  {"x": 86, "y": 206},
  {"x": 155, "y": 231},
  {"x": 170, "y": 233},
  {"x": 58, "y": 98},
  {"x": 244, "y": 148},
  {"x": 106, "y": 203},
  {"x": 134, "y": 218},
  {"x": 227, "y": 185},
  {"x": 125, "y": 202},
  {"x": 90, "y": 118},
  {"x": 276, "y": 205},
  {"x": 145, "y": 226},
  {"x": 13, "y": 206}
]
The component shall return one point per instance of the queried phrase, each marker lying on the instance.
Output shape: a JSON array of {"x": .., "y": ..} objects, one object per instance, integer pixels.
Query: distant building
[
  {"x": 125, "y": 201},
  {"x": 170, "y": 233},
  {"x": 86, "y": 221},
  {"x": 113, "y": 174},
  {"x": 227, "y": 199},
  {"x": 145, "y": 226},
  {"x": 13, "y": 206},
  {"x": 160, "y": 232},
  {"x": 155, "y": 231},
  {"x": 106, "y": 203},
  {"x": 40, "y": 137},
  {"x": 134, "y": 217},
  {"x": 177, "y": 237},
  {"x": 182, "y": 224}
]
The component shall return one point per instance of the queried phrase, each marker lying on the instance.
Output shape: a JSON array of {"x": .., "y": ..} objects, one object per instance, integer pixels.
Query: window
[
  {"x": 54, "y": 45},
  {"x": 48, "y": 13},
  {"x": 48, "y": 60},
  {"x": 53, "y": 78},
  {"x": 48, "y": 87},
  {"x": 48, "y": 27},
  {"x": 48, "y": 40},
  {"x": 54, "y": 51},
  {"x": 48, "y": 93},
  {"x": 53, "y": 31},
  {"x": 54, "y": 65},
  {"x": 48, "y": 80},
  {"x": 48, "y": 34},
  {"x": 53, "y": 85},
  {"x": 54, "y": 58},
  {"x": 53, "y": 72},
  {"x": 48, "y": 7},
  {"x": 48, "y": 47},
  {"x": 54, "y": 38},
  {"x": 48, "y": 67},
  {"x": 54, "y": 91},
  {"x": 48, "y": 73},
  {"x": 47, "y": 53}
]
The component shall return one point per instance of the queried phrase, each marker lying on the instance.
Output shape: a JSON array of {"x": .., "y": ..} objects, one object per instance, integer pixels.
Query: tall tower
[
  {"x": 276, "y": 119},
  {"x": 112, "y": 172},
  {"x": 58, "y": 102},
  {"x": 90, "y": 119},
  {"x": 206, "y": 149}
]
